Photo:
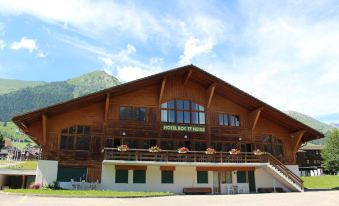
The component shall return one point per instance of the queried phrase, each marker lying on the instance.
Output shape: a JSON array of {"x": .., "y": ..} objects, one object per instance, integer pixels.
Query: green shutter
[
  {"x": 251, "y": 180},
  {"x": 202, "y": 177},
  {"x": 65, "y": 174},
  {"x": 139, "y": 176},
  {"x": 167, "y": 177},
  {"x": 121, "y": 176},
  {"x": 241, "y": 177}
]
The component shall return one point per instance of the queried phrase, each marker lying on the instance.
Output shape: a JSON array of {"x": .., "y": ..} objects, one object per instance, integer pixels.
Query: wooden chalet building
[{"x": 182, "y": 107}]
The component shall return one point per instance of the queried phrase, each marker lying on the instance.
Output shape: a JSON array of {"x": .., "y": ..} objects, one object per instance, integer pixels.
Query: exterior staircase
[{"x": 284, "y": 175}]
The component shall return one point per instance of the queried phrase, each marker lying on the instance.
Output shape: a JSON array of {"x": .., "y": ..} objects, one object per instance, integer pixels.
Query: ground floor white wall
[
  {"x": 47, "y": 172},
  {"x": 182, "y": 176}
]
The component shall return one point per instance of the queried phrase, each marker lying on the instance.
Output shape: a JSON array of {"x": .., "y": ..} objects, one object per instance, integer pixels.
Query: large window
[
  {"x": 273, "y": 145},
  {"x": 66, "y": 174},
  {"x": 183, "y": 111},
  {"x": 75, "y": 138},
  {"x": 132, "y": 113},
  {"x": 229, "y": 120}
]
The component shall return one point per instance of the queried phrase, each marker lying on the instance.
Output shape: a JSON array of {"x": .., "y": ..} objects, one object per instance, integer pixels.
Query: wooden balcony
[{"x": 191, "y": 156}]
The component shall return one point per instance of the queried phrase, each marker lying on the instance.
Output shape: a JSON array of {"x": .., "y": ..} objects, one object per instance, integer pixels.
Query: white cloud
[
  {"x": 89, "y": 17},
  {"x": 24, "y": 43},
  {"x": 129, "y": 73},
  {"x": 41, "y": 54},
  {"x": 2, "y": 44}
]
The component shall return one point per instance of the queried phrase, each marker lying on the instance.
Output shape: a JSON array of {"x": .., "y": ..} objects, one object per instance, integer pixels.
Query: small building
[
  {"x": 182, "y": 130},
  {"x": 309, "y": 160}
]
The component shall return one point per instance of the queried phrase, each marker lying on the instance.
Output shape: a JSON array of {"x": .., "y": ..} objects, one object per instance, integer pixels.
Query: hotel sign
[{"x": 183, "y": 128}]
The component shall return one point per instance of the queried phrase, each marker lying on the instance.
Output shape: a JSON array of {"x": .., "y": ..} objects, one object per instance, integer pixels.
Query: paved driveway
[{"x": 322, "y": 198}]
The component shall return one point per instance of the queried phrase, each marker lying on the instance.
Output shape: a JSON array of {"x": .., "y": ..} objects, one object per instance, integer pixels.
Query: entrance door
[
  {"x": 251, "y": 181},
  {"x": 216, "y": 182},
  {"x": 116, "y": 142},
  {"x": 188, "y": 145}
]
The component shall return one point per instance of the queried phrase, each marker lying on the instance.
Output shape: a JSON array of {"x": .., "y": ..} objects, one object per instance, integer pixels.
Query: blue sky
[{"x": 283, "y": 52}]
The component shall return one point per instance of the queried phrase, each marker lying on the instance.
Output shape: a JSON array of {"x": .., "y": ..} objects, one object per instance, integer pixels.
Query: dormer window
[{"x": 183, "y": 112}]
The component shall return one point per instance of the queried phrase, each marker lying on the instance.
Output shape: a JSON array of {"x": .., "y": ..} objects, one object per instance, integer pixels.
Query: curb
[{"x": 74, "y": 196}]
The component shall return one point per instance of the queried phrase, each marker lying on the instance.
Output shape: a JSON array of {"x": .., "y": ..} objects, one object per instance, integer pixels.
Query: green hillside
[
  {"x": 309, "y": 121},
  {"x": 31, "y": 98},
  {"x": 18, "y": 97},
  {"x": 11, "y": 85},
  {"x": 91, "y": 82}
]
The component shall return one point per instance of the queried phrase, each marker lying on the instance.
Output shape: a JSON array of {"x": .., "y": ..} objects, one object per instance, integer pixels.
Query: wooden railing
[
  {"x": 201, "y": 156},
  {"x": 174, "y": 156},
  {"x": 284, "y": 170}
]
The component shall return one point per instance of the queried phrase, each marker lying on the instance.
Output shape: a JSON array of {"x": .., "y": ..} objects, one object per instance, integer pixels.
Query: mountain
[
  {"x": 30, "y": 98},
  {"x": 312, "y": 122},
  {"x": 11, "y": 85}
]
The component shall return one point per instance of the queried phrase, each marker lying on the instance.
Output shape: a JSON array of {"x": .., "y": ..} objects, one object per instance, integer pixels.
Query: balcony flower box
[
  {"x": 183, "y": 150},
  {"x": 210, "y": 151},
  {"x": 154, "y": 149},
  {"x": 258, "y": 152},
  {"x": 235, "y": 151},
  {"x": 123, "y": 148}
]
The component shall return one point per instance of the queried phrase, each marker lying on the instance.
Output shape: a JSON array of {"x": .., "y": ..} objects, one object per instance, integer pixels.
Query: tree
[
  {"x": 330, "y": 153},
  {"x": 2, "y": 141}
]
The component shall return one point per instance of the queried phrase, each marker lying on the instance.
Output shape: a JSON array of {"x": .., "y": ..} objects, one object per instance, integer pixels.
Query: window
[
  {"x": 229, "y": 120},
  {"x": 66, "y": 174},
  {"x": 226, "y": 177},
  {"x": 200, "y": 146},
  {"x": 75, "y": 138},
  {"x": 167, "y": 145},
  {"x": 273, "y": 145},
  {"x": 132, "y": 113},
  {"x": 202, "y": 177},
  {"x": 183, "y": 112},
  {"x": 121, "y": 176},
  {"x": 139, "y": 176},
  {"x": 241, "y": 177},
  {"x": 167, "y": 177}
]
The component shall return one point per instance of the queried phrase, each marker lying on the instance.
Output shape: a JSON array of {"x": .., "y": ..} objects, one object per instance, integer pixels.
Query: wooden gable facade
[{"x": 76, "y": 132}]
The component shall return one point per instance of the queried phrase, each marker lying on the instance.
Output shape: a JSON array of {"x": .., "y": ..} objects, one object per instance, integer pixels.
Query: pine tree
[
  {"x": 330, "y": 153},
  {"x": 2, "y": 141}
]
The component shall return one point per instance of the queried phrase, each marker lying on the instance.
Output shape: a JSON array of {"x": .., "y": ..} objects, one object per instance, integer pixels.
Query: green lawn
[
  {"x": 24, "y": 165},
  {"x": 321, "y": 182},
  {"x": 86, "y": 193}
]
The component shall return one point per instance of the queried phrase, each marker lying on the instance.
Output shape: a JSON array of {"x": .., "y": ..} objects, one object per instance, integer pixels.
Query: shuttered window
[
  {"x": 139, "y": 176},
  {"x": 167, "y": 177},
  {"x": 121, "y": 176},
  {"x": 202, "y": 177}
]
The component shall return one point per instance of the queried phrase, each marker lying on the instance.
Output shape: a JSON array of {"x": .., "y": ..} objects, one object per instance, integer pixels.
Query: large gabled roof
[{"x": 235, "y": 94}]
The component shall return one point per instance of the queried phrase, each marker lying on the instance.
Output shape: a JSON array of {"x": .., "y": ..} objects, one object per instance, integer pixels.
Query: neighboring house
[
  {"x": 309, "y": 160},
  {"x": 184, "y": 107}
]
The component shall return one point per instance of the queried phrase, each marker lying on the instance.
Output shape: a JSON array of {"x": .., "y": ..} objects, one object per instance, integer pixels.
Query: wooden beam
[
  {"x": 296, "y": 139},
  {"x": 44, "y": 128},
  {"x": 211, "y": 168},
  {"x": 130, "y": 167},
  {"x": 255, "y": 114},
  {"x": 210, "y": 93},
  {"x": 162, "y": 89},
  {"x": 187, "y": 77},
  {"x": 106, "y": 108}
]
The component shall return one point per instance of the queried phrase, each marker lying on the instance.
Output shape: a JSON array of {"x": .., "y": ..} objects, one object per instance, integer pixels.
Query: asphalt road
[{"x": 321, "y": 198}]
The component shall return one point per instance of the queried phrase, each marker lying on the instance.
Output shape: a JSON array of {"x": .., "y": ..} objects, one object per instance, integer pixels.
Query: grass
[
  {"x": 86, "y": 193},
  {"x": 321, "y": 182},
  {"x": 24, "y": 165}
]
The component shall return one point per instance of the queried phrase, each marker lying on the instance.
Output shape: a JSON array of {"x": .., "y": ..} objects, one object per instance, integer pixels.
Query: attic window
[{"x": 75, "y": 138}]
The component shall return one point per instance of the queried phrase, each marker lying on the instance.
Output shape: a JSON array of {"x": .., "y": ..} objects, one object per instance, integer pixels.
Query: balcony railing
[{"x": 191, "y": 156}]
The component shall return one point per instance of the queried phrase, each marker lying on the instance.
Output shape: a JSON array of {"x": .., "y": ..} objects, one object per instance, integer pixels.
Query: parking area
[{"x": 316, "y": 198}]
